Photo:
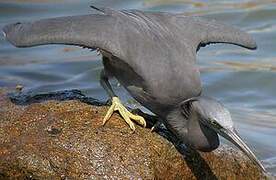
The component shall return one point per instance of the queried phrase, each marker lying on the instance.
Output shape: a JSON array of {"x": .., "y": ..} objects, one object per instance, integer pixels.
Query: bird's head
[{"x": 211, "y": 114}]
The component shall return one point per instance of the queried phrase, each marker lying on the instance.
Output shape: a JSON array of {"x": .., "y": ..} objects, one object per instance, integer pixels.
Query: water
[{"x": 243, "y": 80}]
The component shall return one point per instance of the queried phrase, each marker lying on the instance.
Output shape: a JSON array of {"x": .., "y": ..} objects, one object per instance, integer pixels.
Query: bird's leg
[{"x": 118, "y": 106}]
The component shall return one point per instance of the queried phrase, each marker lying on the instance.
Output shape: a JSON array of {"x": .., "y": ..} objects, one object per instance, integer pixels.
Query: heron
[{"x": 153, "y": 56}]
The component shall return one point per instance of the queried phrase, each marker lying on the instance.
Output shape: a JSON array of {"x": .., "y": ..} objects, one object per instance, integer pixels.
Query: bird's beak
[{"x": 233, "y": 137}]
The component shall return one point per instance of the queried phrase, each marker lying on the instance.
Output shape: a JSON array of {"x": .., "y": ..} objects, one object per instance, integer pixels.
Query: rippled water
[{"x": 243, "y": 80}]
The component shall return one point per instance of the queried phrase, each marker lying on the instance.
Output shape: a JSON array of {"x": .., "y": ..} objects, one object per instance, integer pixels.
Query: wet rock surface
[{"x": 62, "y": 138}]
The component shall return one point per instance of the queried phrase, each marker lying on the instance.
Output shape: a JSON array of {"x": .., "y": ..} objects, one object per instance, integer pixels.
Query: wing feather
[{"x": 202, "y": 32}]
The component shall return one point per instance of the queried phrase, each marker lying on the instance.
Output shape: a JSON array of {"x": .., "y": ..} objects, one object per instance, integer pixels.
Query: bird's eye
[
  {"x": 215, "y": 123},
  {"x": 212, "y": 120}
]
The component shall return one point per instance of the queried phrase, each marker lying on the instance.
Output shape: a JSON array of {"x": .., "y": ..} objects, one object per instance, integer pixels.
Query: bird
[{"x": 153, "y": 56}]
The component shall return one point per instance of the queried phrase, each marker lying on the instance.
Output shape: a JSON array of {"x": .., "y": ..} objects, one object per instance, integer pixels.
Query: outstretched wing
[
  {"x": 202, "y": 32},
  {"x": 93, "y": 31},
  {"x": 114, "y": 31}
]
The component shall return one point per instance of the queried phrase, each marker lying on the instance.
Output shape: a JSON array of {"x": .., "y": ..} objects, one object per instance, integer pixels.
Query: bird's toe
[{"x": 127, "y": 116}]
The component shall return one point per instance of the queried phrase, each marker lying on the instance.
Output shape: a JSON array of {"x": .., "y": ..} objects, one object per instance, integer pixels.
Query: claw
[
  {"x": 109, "y": 113},
  {"x": 127, "y": 116},
  {"x": 152, "y": 129},
  {"x": 156, "y": 126}
]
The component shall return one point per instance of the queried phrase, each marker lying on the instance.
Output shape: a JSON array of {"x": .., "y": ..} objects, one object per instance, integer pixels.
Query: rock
[{"x": 65, "y": 140}]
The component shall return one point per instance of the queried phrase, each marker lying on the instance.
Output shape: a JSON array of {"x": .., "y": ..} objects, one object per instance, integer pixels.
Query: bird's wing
[
  {"x": 92, "y": 31},
  {"x": 202, "y": 32},
  {"x": 114, "y": 31},
  {"x": 128, "y": 35}
]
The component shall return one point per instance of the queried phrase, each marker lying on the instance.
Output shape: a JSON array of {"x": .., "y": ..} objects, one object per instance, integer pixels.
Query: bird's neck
[
  {"x": 199, "y": 136},
  {"x": 186, "y": 125},
  {"x": 177, "y": 123}
]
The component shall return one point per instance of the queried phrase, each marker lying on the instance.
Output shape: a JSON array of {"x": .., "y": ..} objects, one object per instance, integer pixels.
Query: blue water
[{"x": 243, "y": 80}]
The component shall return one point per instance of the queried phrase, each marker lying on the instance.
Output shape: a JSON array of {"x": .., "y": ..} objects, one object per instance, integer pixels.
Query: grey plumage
[{"x": 153, "y": 55}]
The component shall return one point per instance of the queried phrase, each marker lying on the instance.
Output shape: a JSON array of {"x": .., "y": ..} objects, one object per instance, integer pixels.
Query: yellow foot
[{"x": 127, "y": 116}]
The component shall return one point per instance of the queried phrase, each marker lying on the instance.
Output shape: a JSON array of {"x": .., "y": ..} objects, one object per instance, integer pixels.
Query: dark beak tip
[{"x": 233, "y": 137}]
